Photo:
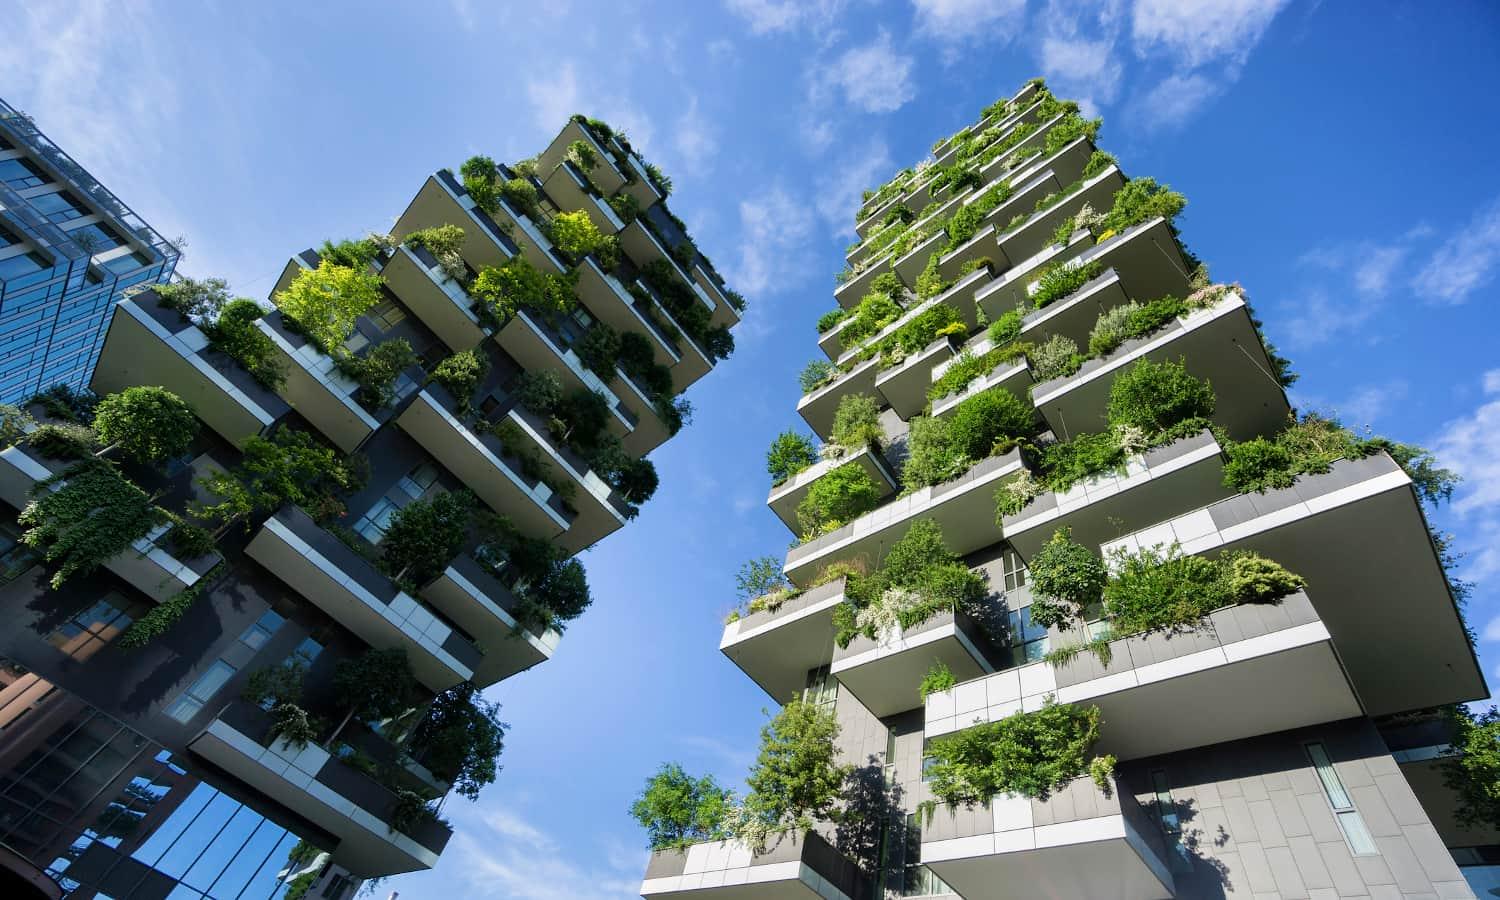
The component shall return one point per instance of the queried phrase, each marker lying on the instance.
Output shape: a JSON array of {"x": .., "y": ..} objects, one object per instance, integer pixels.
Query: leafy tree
[
  {"x": 14, "y": 423},
  {"x": 1474, "y": 773},
  {"x": 197, "y": 301},
  {"x": 461, "y": 738},
  {"x": 987, "y": 419},
  {"x": 1156, "y": 396},
  {"x": 325, "y": 302},
  {"x": 288, "y": 467},
  {"x": 378, "y": 370},
  {"x": 275, "y": 685},
  {"x": 503, "y": 290},
  {"x": 375, "y": 685},
  {"x": 789, "y": 454},
  {"x": 1141, "y": 199},
  {"x": 234, "y": 333},
  {"x": 796, "y": 779},
  {"x": 758, "y": 577},
  {"x": 461, "y": 374},
  {"x": 816, "y": 374},
  {"x": 149, "y": 424},
  {"x": 599, "y": 349},
  {"x": 481, "y": 178},
  {"x": 856, "y": 423},
  {"x": 1066, "y": 580},
  {"x": 575, "y": 234},
  {"x": 678, "y": 810},
  {"x": 636, "y": 479},
  {"x": 425, "y": 535},
  {"x": 445, "y": 243},
  {"x": 540, "y": 391}
]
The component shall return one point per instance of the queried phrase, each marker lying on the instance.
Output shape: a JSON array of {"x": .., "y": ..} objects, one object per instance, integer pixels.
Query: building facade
[
  {"x": 1027, "y": 364},
  {"x": 246, "y": 662},
  {"x": 68, "y": 250}
]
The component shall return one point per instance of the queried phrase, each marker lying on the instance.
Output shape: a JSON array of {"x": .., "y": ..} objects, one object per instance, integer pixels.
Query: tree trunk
[
  {"x": 339, "y": 730},
  {"x": 107, "y": 450}
]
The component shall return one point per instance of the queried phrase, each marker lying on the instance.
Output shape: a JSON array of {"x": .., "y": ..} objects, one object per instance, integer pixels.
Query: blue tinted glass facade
[{"x": 70, "y": 250}]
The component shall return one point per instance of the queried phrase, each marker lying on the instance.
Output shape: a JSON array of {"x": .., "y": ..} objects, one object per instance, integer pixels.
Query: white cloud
[
  {"x": 775, "y": 228},
  {"x": 1471, "y": 446},
  {"x": 838, "y": 194},
  {"x": 1465, "y": 262},
  {"x": 1196, "y": 32},
  {"x": 554, "y": 96},
  {"x": 771, "y": 16},
  {"x": 1364, "y": 407},
  {"x": 1372, "y": 275},
  {"x": 501, "y": 855},
  {"x": 1318, "y": 317},
  {"x": 961, "y": 20},
  {"x": 1085, "y": 69},
  {"x": 875, "y": 77},
  {"x": 693, "y": 140},
  {"x": 1491, "y": 630},
  {"x": 1175, "y": 99}
]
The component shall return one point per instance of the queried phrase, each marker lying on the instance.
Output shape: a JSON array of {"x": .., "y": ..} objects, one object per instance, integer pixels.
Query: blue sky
[{"x": 1333, "y": 156}]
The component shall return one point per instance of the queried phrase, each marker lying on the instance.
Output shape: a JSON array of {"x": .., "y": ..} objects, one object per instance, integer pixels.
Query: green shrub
[
  {"x": 1141, "y": 199},
  {"x": 461, "y": 374},
  {"x": 856, "y": 423},
  {"x": 378, "y": 370},
  {"x": 1055, "y": 357},
  {"x": 160, "y": 618},
  {"x": 1065, "y": 463},
  {"x": 197, "y": 301},
  {"x": 1006, "y": 329},
  {"x": 1473, "y": 772},
  {"x": 423, "y": 537},
  {"x": 481, "y": 179},
  {"x": 968, "y": 367},
  {"x": 789, "y": 454},
  {"x": 522, "y": 197},
  {"x": 1133, "y": 320},
  {"x": 599, "y": 350},
  {"x": 828, "y": 320},
  {"x": 147, "y": 424},
  {"x": 517, "y": 284},
  {"x": 1102, "y": 771},
  {"x": 189, "y": 541},
  {"x": 325, "y": 302},
  {"x": 1255, "y": 579},
  {"x": 939, "y": 678},
  {"x": 1059, "y": 280},
  {"x": 288, "y": 467},
  {"x": 840, "y": 496},
  {"x": 875, "y": 311},
  {"x": 1067, "y": 579},
  {"x": 930, "y": 455},
  {"x": 988, "y": 422},
  {"x": 445, "y": 243},
  {"x": 235, "y": 334},
  {"x": 1068, "y": 130},
  {"x": 1030, "y": 754},
  {"x": 963, "y": 225},
  {"x": 582, "y": 155},
  {"x": 1310, "y": 446},
  {"x": 930, "y": 282},
  {"x": 1098, "y": 162},
  {"x": 574, "y": 233},
  {"x": 293, "y": 724},
  {"x": 63, "y": 440},
  {"x": 1156, "y": 396}
]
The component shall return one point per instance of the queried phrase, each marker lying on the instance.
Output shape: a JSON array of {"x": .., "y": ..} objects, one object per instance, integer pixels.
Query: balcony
[
  {"x": 724, "y": 314},
  {"x": 605, "y": 174},
  {"x": 963, "y": 507},
  {"x": 1145, "y": 255},
  {"x": 865, "y": 248},
  {"x": 570, "y": 190},
  {"x": 609, "y": 300},
  {"x": 818, "y": 408},
  {"x": 146, "y": 565},
  {"x": 1358, "y": 535},
  {"x": 533, "y": 343},
  {"x": 1251, "y": 669},
  {"x": 1079, "y": 842},
  {"x": 599, "y": 509},
  {"x": 1074, "y": 316},
  {"x": 960, "y": 296},
  {"x": 1013, "y": 374},
  {"x": 321, "y": 789},
  {"x": 481, "y": 605},
  {"x": 786, "y": 497},
  {"x": 793, "y": 866},
  {"x": 150, "y": 344},
  {"x": 644, "y": 247},
  {"x": 348, "y": 587},
  {"x": 440, "y": 302},
  {"x": 443, "y": 201},
  {"x": 1004, "y": 162},
  {"x": 1035, "y": 234},
  {"x": 481, "y": 462},
  {"x": 648, "y": 430},
  {"x": 1151, "y": 487},
  {"x": 884, "y": 673},
  {"x": 904, "y": 385},
  {"x": 1218, "y": 344},
  {"x": 776, "y": 648},
  {"x": 640, "y": 187},
  {"x": 852, "y": 291},
  {"x": 528, "y": 235}
]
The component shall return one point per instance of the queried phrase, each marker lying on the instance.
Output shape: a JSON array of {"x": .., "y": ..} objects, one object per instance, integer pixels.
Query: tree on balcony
[
  {"x": 789, "y": 453},
  {"x": 678, "y": 810},
  {"x": 504, "y": 290},
  {"x": 1028, "y": 754},
  {"x": 378, "y": 371},
  {"x": 375, "y": 685},
  {"x": 324, "y": 303},
  {"x": 148, "y": 424},
  {"x": 424, "y": 536},
  {"x": 796, "y": 780},
  {"x": 460, "y": 739},
  {"x": 288, "y": 467}
]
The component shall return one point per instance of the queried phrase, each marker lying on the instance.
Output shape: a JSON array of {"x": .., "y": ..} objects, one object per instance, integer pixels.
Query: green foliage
[
  {"x": 540, "y": 391},
  {"x": 931, "y": 457},
  {"x": 517, "y": 284},
  {"x": 1055, "y": 357},
  {"x": 1068, "y": 130},
  {"x": 324, "y": 302},
  {"x": 919, "y": 578},
  {"x": 1132, "y": 320},
  {"x": 599, "y": 350},
  {"x": 840, "y": 496},
  {"x": 1061, "y": 279},
  {"x": 1165, "y": 589},
  {"x": 1030, "y": 754},
  {"x": 1141, "y": 199},
  {"x": 196, "y": 301},
  {"x": 989, "y": 422},
  {"x": 293, "y": 724},
  {"x": 355, "y": 254},
  {"x": 14, "y": 423},
  {"x": 288, "y": 467},
  {"x": 1006, "y": 329},
  {"x": 160, "y": 618},
  {"x": 1255, "y": 579},
  {"x": 1155, "y": 396},
  {"x": 378, "y": 370},
  {"x": 446, "y": 244},
  {"x": 875, "y": 311},
  {"x": 856, "y": 423},
  {"x": 930, "y": 282},
  {"x": 789, "y": 453},
  {"x": 1102, "y": 771},
  {"x": 521, "y": 196},
  {"x": 660, "y": 179},
  {"x": 626, "y": 207},
  {"x": 189, "y": 541},
  {"x": 461, "y": 738},
  {"x": 275, "y": 685},
  {"x": 1066, "y": 580},
  {"x": 963, "y": 225},
  {"x": 409, "y": 811},
  {"x": 939, "y": 678},
  {"x": 149, "y": 424},
  {"x": 95, "y": 515},
  {"x": 61, "y": 401},
  {"x": 968, "y": 367},
  {"x": 375, "y": 685},
  {"x": 816, "y": 374},
  {"x": 1098, "y": 162},
  {"x": 582, "y": 155},
  {"x": 1474, "y": 773},
  {"x": 234, "y": 333},
  {"x": 481, "y": 178},
  {"x": 678, "y": 810},
  {"x": 461, "y": 374},
  {"x": 832, "y": 318},
  {"x": 922, "y": 329},
  {"x": 796, "y": 779},
  {"x": 424, "y": 535},
  {"x": 758, "y": 577},
  {"x": 64, "y": 440},
  {"x": 552, "y": 588},
  {"x": 575, "y": 234}
]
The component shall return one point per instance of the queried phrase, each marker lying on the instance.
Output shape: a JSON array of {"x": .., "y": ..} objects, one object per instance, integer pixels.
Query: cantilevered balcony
[
  {"x": 1145, "y": 255},
  {"x": 348, "y": 587},
  {"x": 959, "y": 296},
  {"x": 146, "y": 564},
  {"x": 442, "y": 304},
  {"x": 693, "y": 363},
  {"x": 648, "y": 430},
  {"x": 777, "y": 648},
  {"x": 1079, "y": 842},
  {"x": 641, "y": 187},
  {"x": 1008, "y": 160},
  {"x": 1036, "y": 233},
  {"x": 786, "y": 497},
  {"x": 605, "y": 174},
  {"x": 481, "y": 461},
  {"x": 1250, "y": 669},
  {"x": 854, "y": 289},
  {"x": 724, "y": 313},
  {"x": 528, "y": 235},
  {"x": 1357, "y": 534},
  {"x": 1013, "y": 375},
  {"x": 792, "y": 867},
  {"x": 817, "y": 408},
  {"x": 570, "y": 189},
  {"x": 599, "y": 510},
  {"x": 884, "y": 673},
  {"x": 644, "y": 247},
  {"x": 533, "y": 343},
  {"x": 964, "y": 508},
  {"x": 147, "y": 343},
  {"x": 480, "y": 604},
  {"x": 1150, "y": 488},
  {"x": 1075, "y": 315},
  {"x": 443, "y": 201},
  {"x": 610, "y": 301},
  {"x": 904, "y": 385},
  {"x": 322, "y": 789},
  {"x": 1218, "y": 344}
]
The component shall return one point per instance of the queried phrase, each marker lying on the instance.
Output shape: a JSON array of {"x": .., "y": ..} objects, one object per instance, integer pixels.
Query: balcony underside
[
  {"x": 324, "y": 399},
  {"x": 452, "y": 321},
  {"x": 1074, "y": 316},
  {"x": 905, "y": 386},
  {"x": 607, "y": 299},
  {"x": 483, "y": 607},
  {"x": 793, "y": 867},
  {"x": 531, "y": 346},
  {"x": 1100, "y": 857},
  {"x": 777, "y": 648},
  {"x": 884, "y": 675},
  {"x": 435, "y": 204},
  {"x": 604, "y": 173},
  {"x": 563, "y": 187},
  {"x": 818, "y": 408},
  {"x": 1013, "y": 376},
  {"x": 1034, "y": 236}
]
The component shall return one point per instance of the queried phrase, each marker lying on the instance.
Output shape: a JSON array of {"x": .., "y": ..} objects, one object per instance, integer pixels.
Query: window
[
  {"x": 1171, "y": 823},
  {"x": 354, "y": 343},
  {"x": 256, "y": 636},
  {"x": 96, "y": 238},
  {"x": 201, "y": 691},
  {"x": 416, "y": 482},
  {"x": 372, "y": 524},
  {"x": 7, "y": 238},
  {"x": 387, "y": 315},
  {"x": 22, "y": 173},
  {"x": 59, "y": 207},
  {"x": 88, "y": 631},
  {"x": 25, "y": 264},
  {"x": 338, "y": 887},
  {"x": 120, "y": 265},
  {"x": 821, "y": 690},
  {"x": 1350, "y": 821},
  {"x": 916, "y": 879},
  {"x": 1028, "y": 640},
  {"x": 306, "y": 652},
  {"x": 575, "y": 325},
  {"x": 15, "y": 557}
]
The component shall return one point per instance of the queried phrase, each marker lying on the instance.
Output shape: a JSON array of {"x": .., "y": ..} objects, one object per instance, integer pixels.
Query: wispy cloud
[
  {"x": 554, "y": 96},
  {"x": 774, "y": 230},
  {"x": 694, "y": 140},
  {"x": 962, "y": 21},
  {"x": 1363, "y": 407},
  {"x": 1198, "y": 32},
  {"x": 1465, "y": 262},
  {"x": 839, "y": 193},
  {"x": 875, "y": 77},
  {"x": 499, "y": 854},
  {"x": 1176, "y": 99},
  {"x": 772, "y": 16},
  {"x": 1470, "y": 445}
]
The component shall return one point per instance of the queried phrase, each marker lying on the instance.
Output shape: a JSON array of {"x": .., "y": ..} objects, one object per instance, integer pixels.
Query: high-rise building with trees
[{"x": 1078, "y": 605}]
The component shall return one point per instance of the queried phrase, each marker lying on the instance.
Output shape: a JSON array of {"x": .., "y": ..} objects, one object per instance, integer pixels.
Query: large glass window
[
  {"x": 416, "y": 482},
  {"x": 916, "y": 879},
  {"x": 1028, "y": 640},
  {"x": 387, "y": 315},
  {"x": 88, "y": 630},
  {"x": 1171, "y": 822},
  {"x": 201, "y": 691},
  {"x": 1349, "y": 819},
  {"x": 260, "y": 631},
  {"x": 129, "y": 262},
  {"x": 373, "y": 524},
  {"x": 22, "y": 173},
  {"x": 15, "y": 557},
  {"x": 24, "y": 264},
  {"x": 8, "y": 237},
  {"x": 822, "y": 689},
  {"x": 96, "y": 237},
  {"x": 59, "y": 207}
]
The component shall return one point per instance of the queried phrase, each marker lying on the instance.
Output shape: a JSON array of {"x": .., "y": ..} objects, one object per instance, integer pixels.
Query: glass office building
[{"x": 68, "y": 250}]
